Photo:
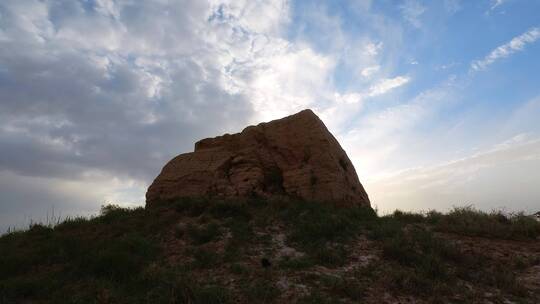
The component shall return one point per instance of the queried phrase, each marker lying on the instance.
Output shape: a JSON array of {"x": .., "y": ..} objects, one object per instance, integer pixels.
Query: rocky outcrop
[{"x": 294, "y": 156}]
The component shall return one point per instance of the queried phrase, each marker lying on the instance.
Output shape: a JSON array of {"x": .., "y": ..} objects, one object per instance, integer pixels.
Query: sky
[{"x": 437, "y": 103}]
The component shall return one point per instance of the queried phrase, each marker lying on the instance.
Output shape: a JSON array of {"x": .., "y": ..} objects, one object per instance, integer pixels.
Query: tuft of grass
[
  {"x": 117, "y": 260},
  {"x": 316, "y": 297},
  {"x": 473, "y": 222},
  {"x": 331, "y": 256},
  {"x": 167, "y": 285},
  {"x": 314, "y": 223},
  {"x": 203, "y": 234},
  {"x": 408, "y": 217},
  {"x": 211, "y": 294},
  {"x": 297, "y": 263},
  {"x": 343, "y": 287},
  {"x": 236, "y": 209},
  {"x": 241, "y": 231},
  {"x": 262, "y": 291},
  {"x": 239, "y": 269},
  {"x": 410, "y": 281},
  {"x": 192, "y": 207},
  {"x": 204, "y": 258}
]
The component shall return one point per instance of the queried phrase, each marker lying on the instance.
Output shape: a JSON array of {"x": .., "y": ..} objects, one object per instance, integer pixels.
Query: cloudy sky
[{"x": 436, "y": 102}]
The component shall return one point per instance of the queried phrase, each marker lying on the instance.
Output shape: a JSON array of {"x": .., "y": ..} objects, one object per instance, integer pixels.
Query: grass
[
  {"x": 204, "y": 258},
  {"x": 204, "y": 233},
  {"x": 121, "y": 256},
  {"x": 340, "y": 287},
  {"x": 469, "y": 221},
  {"x": 427, "y": 265},
  {"x": 262, "y": 291},
  {"x": 472, "y": 222},
  {"x": 111, "y": 249},
  {"x": 297, "y": 263}
]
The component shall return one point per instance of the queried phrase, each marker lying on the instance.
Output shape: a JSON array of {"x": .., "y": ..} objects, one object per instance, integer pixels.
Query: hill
[{"x": 273, "y": 251}]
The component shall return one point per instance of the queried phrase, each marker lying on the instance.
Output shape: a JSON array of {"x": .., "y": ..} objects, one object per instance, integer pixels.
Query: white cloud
[
  {"x": 496, "y": 3},
  {"x": 135, "y": 84},
  {"x": 383, "y": 141},
  {"x": 516, "y": 44},
  {"x": 447, "y": 66},
  {"x": 372, "y": 48},
  {"x": 287, "y": 81},
  {"x": 26, "y": 198},
  {"x": 412, "y": 10},
  {"x": 367, "y": 72},
  {"x": 452, "y": 6},
  {"x": 387, "y": 84},
  {"x": 495, "y": 178}
]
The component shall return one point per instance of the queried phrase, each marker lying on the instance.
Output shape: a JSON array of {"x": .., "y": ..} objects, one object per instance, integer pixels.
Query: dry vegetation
[{"x": 202, "y": 251}]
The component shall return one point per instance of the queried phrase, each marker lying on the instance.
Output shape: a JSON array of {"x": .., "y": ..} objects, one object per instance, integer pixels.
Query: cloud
[
  {"x": 104, "y": 93},
  {"x": 117, "y": 88},
  {"x": 452, "y": 6},
  {"x": 496, "y": 3},
  {"x": 376, "y": 142},
  {"x": 491, "y": 179},
  {"x": 447, "y": 66},
  {"x": 372, "y": 48},
  {"x": 516, "y": 44},
  {"x": 101, "y": 94},
  {"x": 367, "y": 72},
  {"x": 385, "y": 85},
  {"x": 412, "y": 10},
  {"x": 29, "y": 198}
]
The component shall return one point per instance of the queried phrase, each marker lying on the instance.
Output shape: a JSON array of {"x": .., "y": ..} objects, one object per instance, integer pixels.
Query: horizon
[{"x": 435, "y": 103}]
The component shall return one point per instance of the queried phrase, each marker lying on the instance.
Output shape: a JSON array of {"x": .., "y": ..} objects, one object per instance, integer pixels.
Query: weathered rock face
[{"x": 294, "y": 156}]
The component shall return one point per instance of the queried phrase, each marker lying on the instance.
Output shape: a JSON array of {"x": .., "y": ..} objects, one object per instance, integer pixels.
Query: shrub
[
  {"x": 241, "y": 230},
  {"x": 240, "y": 269},
  {"x": 343, "y": 287},
  {"x": 410, "y": 281},
  {"x": 408, "y": 217},
  {"x": 473, "y": 222},
  {"x": 330, "y": 256},
  {"x": 262, "y": 291},
  {"x": 385, "y": 227},
  {"x": 72, "y": 223},
  {"x": 230, "y": 209},
  {"x": 204, "y": 258},
  {"x": 315, "y": 223},
  {"x": 203, "y": 234},
  {"x": 297, "y": 263},
  {"x": 190, "y": 206},
  {"x": 211, "y": 294},
  {"x": 117, "y": 260}
]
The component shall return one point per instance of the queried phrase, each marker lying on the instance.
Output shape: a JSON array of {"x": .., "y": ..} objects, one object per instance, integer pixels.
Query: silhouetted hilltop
[{"x": 261, "y": 251}]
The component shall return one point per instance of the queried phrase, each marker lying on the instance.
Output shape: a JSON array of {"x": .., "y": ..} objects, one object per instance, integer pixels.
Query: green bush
[
  {"x": 118, "y": 260},
  {"x": 240, "y": 269},
  {"x": 262, "y": 291},
  {"x": 297, "y": 263},
  {"x": 339, "y": 287},
  {"x": 473, "y": 222},
  {"x": 204, "y": 234},
  {"x": 329, "y": 256},
  {"x": 242, "y": 231},
  {"x": 211, "y": 294},
  {"x": 190, "y": 206},
  {"x": 230, "y": 209},
  {"x": 204, "y": 258},
  {"x": 314, "y": 224},
  {"x": 408, "y": 217}
]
